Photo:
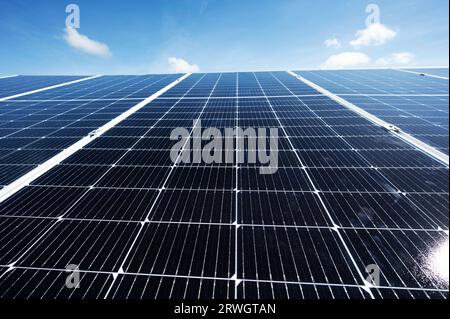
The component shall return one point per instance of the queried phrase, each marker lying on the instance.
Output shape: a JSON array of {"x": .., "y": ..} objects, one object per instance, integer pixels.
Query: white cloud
[
  {"x": 346, "y": 59},
  {"x": 332, "y": 43},
  {"x": 179, "y": 65},
  {"x": 375, "y": 34},
  {"x": 401, "y": 58},
  {"x": 84, "y": 44}
]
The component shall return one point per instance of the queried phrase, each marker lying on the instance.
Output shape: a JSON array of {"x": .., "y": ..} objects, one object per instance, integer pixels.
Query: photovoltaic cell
[
  {"x": 404, "y": 256},
  {"x": 91, "y": 245},
  {"x": 156, "y": 287},
  {"x": 371, "y": 82},
  {"x": 20, "y": 84},
  {"x": 266, "y": 290},
  {"x": 17, "y": 234},
  {"x": 36, "y": 284},
  {"x": 48, "y": 122},
  {"x": 416, "y": 104},
  {"x": 424, "y": 117},
  {"x": 345, "y": 194},
  {"x": 109, "y": 87}
]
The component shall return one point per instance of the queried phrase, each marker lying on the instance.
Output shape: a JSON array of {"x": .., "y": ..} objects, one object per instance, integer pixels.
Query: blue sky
[{"x": 219, "y": 35}]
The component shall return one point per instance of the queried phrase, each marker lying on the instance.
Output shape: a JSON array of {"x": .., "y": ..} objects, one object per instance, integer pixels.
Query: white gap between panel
[
  {"x": 48, "y": 88},
  {"x": 422, "y": 73},
  {"x": 31, "y": 176},
  {"x": 8, "y": 76},
  {"x": 391, "y": 128}
]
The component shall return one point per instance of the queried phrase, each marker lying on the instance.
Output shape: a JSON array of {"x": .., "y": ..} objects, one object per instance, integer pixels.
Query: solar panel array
[
  {"x": 20, "y": 84},
  {"x": 416, "y": 104},
  {"x": 36, "y": 127},
  {"x": 347, "y": 194}
]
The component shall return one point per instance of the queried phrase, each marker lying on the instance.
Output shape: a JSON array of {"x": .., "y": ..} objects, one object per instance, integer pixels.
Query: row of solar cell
[
  {"x": 343, "y": 158},
  {"x": 108, "y": 87},
  {"x": 232, "y": 84},
  {"x": 207, "y": 251},
  {"x": 369, "y": 82},
  {"x": 122, "y": 140},
  {"x": 422, "y": 111},
  {"x": 410, "y": 116},
  {"x": 295, "y": 209},
  {"x": 20, "y": 84},
  {"x": 32, "y": 284},
  {"x": 289, "y": 178}
]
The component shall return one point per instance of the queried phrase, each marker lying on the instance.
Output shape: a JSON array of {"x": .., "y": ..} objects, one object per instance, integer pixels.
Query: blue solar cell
[
  {"x": 20, "y": 84},
  {"x": 418, "y": 105},
  {"x": 52, "y": 120},
  {"x": 345, "y": 194},
  {"x": 375, "y": 82}
]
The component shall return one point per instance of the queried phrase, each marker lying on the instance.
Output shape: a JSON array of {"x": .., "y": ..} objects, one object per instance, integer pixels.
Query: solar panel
[
  {"x": 416, "y": 104},
  {"x": 36, "y": 127},
  {"x": 369, "y": 82},
  {"x": 346, "y": 195},
  {"x": 423, "y": 117},
  {"x": 19, "y": 84},
  {"x": 109, "y": 87}
]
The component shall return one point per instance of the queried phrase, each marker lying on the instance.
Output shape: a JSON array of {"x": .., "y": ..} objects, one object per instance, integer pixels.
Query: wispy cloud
[
  {"x": 204, "y": 6},
  {"x": 332, "y": 43},
  {"x": 375, "y": 34},
  {"x": 346, "y": 59},
  {"x": 394, "y": 59},
  {"x": 84, "y": 44},
  {"x": 179, "y": 65}
]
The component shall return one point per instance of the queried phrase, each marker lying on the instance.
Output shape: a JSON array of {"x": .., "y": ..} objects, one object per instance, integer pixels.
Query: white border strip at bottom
[
  {"x": 394, "y": 130},
  {"x": 31, "y": 176},
  {"x": 48, "y": 88}
]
